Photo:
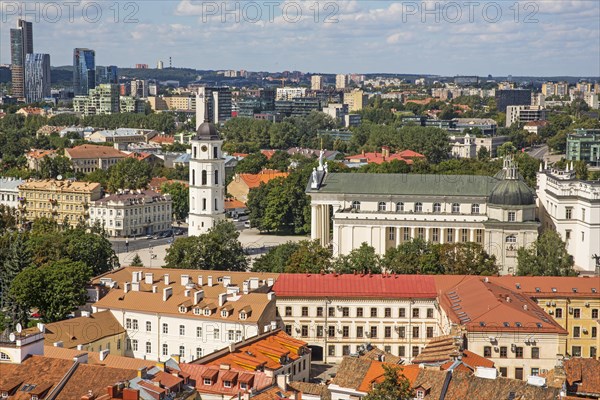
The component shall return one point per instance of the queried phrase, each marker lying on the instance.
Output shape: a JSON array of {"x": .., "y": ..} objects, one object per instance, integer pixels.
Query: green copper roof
[{"x": 406, "y": 184}]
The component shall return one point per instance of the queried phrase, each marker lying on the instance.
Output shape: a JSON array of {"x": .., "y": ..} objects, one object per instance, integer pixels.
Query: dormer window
[
  {"x": 224, "y": 313},
  {"x": 207, "y": 312},
  {"x": 197, "y": 311},
  {"x": 207, "y": 381},
  {"x": 242, "y": 315},
  {"x": 182, "y": 309},
  {"x": 243, "y": 385},
  {"x": 227, "y": 384}
]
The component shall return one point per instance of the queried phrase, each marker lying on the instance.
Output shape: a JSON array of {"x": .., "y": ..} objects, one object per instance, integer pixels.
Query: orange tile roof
[
  {"x": 94, "y": 151},
  {"x": 551, "y": 286},
  {"x": 583, "y": 375},
  {"x": 241, "y": 155},
  {"x": 378, "y": 158},
  {"x": 254, "y": 180},
  {"x": 83, "y": 330},
  {"x": 167, "y": 380},
  {"x": 268, "y": 153},
  {"x": 37, "y": 153},
  {"x": 231, "y": 204},
  {"x": 256, "y": 380},
  {"x": 471, "y": 361},
  {"x": 375, "y": 374},
  {"x": 138, "y": 155},
  {"x": 162, "y": 139},
  {"x": 111, "y": 360},
  {"x": 274, "y": 393},
  {"x": 482, "y": 306},
  {"x": 156, "y": 182}
]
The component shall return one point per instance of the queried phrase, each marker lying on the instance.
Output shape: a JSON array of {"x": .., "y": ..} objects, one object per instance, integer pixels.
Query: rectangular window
[
  {"x": 449, "y": 235},
  {"x": 464, "y": 235},
  {"x": 567, "y": 234},
  {"x": 359, "y": 312},
  {"x": 435, "y": 235},
  {"x": 593, "y": 352},
  {"x": 576, "y": 313},
  {"x": 594, "y": 331},
  {"x": 388, "y": 312},
  {"x": 373, "y": 331},
  {"x": 128, "y": 323},
  {"x": 359, "y": 331},
  {"x": 331, "y": 351},
  {"x": 402, "y": 332},
  {"x": 181, "y": 330},
  {"x": 288, "y": 311},
  {"x": 304, "y": 330},
  {"x": 148, "y": 347},
  {"x": 415, "y": 351},
  {"x": 345, "y": 312},
  {"x": 373, "y": 312},
  {"x": 331, "y": 312},
  {"x": 512, "y": 216},
  {"x": 345, "y": 331},
  {"x": 415, "y": 332},
  {"x": 415, "y": 313},
  {"x": 165, "y": 349},
  {"x": 583, "y": 214},
  {"x": 535, "y": 352},
  {"x": 387, "y": 332},
  {"x": 503, "y": 352},
  {"x": 402, "y": 313},
  {"x": 134, "y": 344},
  {"x": 568, "y": 212},
  {"x": 199, "y": 331},
  {"x": 319, "y": 311},
  {"x": 331, "y": 331},
  {"x": 288, "y": 329},
  {"x": 503, "y": 372},
  {"x": 345, "y": 350},
  {"x": 148, "y": 326},
  {"x": 479, "y": 235},
  {"x": 519, "y": 352},
  {"x": 305, "y": 311},
  {"x": 594, "y": 313},
  {"x": 402, "y": 351},
  {"x": 391, "y": 233},
  {"x": 576, "y": 351},
  {"x": 135, "y": 324},
  {"x": 576, "y": 331},
  {"x": 519, "y": 373},
  {"x": 558, "y": 313},
  {"x": 430, "y": 313},
  {"x": 217, "y": 333},
  {"x": 319, "y": 331},
  {"x": 487, "y": 351},
  {"x": 429, "y": 331},
  {"x": 406, "y": 235}
]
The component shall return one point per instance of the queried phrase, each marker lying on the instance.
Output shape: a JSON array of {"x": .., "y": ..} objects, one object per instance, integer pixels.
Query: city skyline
[{"x": 386, "y": 37}]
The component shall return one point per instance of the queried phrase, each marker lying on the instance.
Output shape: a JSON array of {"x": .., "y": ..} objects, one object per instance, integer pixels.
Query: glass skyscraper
[
  {"x": 84, "y": 71},
  {"x": 37, "y": 77},
  {"x": 109, "y": 74},
  {"x": 21, "y": 44}
]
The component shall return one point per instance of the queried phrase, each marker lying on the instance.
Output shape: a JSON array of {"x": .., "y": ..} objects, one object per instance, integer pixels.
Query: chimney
[
  {"x": 167, "y": 281},
  {"x": 112, "y": 391},
  {"x": 85, "y": 314},
  {"x": 200, "y": 280},
  {"x": 270, "y": 282},
  {"x": 126, "y": 287},
  {"x": 226, "y": 281},
  {"x": 131, "y": 394},
  {"x": 103, "y": 354},
  {"x": 185, "y": 280},
  {"x": 134, "y": 276},
  {"x": 141, "y": 372},
  {"x": 58, "y": 344},
  {"x": 222, "y": 299},
  {"x": 79, "y": 347},
  {"x": 167, "y": 292},
  {"x": 271, "y": 296},
  {"x": 135, "y": 286},
  {"x": 81, "y": 358},
  {"x": 186, "y": 292},
  {"x": 209, "y": 282},
  {"x": 41, "y": 327},
  {"x": 149, "y": 278},
  {"x": 246, "y": 287},
  {"x": 198, "y": 296},
  {"x": 253, "y": 283},
  {"x": 282, "y": 381},
  {"x": 154, "y": 289}
]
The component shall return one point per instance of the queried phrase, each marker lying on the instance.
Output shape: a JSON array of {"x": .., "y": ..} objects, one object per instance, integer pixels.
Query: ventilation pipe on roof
[
  {"x": 226, "y": 281},
  {"x": 185, "y": 279},
  {"x": 200, "y": 280},
  {"x": 126, "y": 287},
  {"x": 245, "y": 287},
  {"x": 271, "y": 296},
  {"x": 149, "y": 278},
  {"x": 210, "y": 281},
  {"x": 167, "y": 280}
]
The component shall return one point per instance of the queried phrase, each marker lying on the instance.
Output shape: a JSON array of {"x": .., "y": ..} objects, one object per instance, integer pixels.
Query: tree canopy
[
  {"x": 394, "y": 386},
  {"x": 547, "y": 256}
]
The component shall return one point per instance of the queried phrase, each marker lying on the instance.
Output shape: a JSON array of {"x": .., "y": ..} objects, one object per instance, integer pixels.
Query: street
[{"x": 538, "y": 152}]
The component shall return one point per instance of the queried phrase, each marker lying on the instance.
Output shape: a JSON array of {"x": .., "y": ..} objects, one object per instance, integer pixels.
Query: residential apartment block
[
  {"x": 103, "y": 99},
  {"x": 385, "y": 210},
  {"x": 523, "y": 114},
  {"x": 189, "y": 313},
  {"x": 584, "y": 145},
  {"x": 571, "y": 207},
  {"x": 9, "y": 191},
  {"x": 132, "y": 213},
  {"x": 66, "y": 202},
  {"x": 356, "y": 100},
  {"x": 339, "y": 314},
  {"x": 89, "y": 157}
]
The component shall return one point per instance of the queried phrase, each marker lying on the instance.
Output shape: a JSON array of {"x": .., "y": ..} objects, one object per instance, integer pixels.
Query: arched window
[
  {"x": 215, "y": 152},
  {"x": 511, "y": 239},
  {"x": 193, "y": 177},
  {"x": 419, "y": 207},
  {"x": 216, "y": 207},
  {"x": 474, "y": 208},
  {"x": 455, "y": 208},
  {"x": 216, "y": 177},
  {"x": 437, "y": 207},
  {"x": 203, "y": 204},
  {"x": 381, "y": 206},
  {"x": 204, "y": 177},
  {"x": 195, "y": 151},
  {"x": 356, "y": 205},
  {"x": 400, "y": 207}
]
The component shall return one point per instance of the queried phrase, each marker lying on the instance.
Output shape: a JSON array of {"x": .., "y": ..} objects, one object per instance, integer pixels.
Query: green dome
[{"x": 511, "y": 192}]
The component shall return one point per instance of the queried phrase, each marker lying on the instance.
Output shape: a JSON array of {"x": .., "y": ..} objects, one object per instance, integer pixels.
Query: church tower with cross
[{"x": 207, "y": 177}]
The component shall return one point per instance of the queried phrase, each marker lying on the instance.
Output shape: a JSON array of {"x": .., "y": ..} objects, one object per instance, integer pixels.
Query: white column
[
  {"x": 427, "y": 234},
  {"x": 442, "y": 235},
  {"x": 398, "y": 233},
  {"x": 326, "y": 222},
  {"x": 313, "y": 222},
  {"x": 472, "y": 235},
  {"x": 413, "y": 232}
]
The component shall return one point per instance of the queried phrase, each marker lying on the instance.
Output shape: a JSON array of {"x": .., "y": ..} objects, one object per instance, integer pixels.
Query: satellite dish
[
  {"x": 59, "y": 177},
  {"x": 19, "y": 328},
  {"x": 12, "y": 337}
]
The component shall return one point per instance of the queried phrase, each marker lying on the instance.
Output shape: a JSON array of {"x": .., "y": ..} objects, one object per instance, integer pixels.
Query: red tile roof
[
  {"x": 254, "y": 180},
  {"x": 231, "y": 204},
  {"x": 551, "y": 286},
  {"x": 268, "y": 153},
  {"x": 583, "y": 375},
  {"x": 162, "y": 139},
  {"x": 94, "y": 151},
  {"x": 375, "y": 374},
  {"x": 407, "y": 156},
  {"x": 35, "y": 153},
  {"x": 355, "y": 286},
  {"x": 256, "y": 380}
]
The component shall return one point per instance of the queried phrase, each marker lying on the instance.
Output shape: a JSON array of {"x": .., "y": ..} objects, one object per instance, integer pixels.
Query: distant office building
[
  {"x": 109, "y": 74},
  {"x": 555, "y": 89},
  {"x": 351, "y": 120},
  {"x": 289, "y": 93},
  {"x": 130, "y": 104},
  {"x": 84, "y": 71},
  {"x": 37, "y": 77},
  {"x": 586, "y": 87},
  {"x": 5, "y": 75},
  {"x": 336, "y": 111},
  {"x": 316, "y": 82},
  {"x": 141, "y": 66},
  {"x": 524, "y": 114},
  {"x": 160, "y": 65},
  {"x": 512, "y": 97},
  {"x": 356, "y": 100},
  {"x": 152, "y": 89},
  {"x": 298, "y": 107},
  {"x": 21, "y": 44},
  {"x": 139, "y": 88},
  {"x": 584, "y": 145},
  {"x": 466, "y": 80},
  {"x": 219, "y": 104},
  {"x": 102, "y": 100},
  {"x": 341, "y": 81}
]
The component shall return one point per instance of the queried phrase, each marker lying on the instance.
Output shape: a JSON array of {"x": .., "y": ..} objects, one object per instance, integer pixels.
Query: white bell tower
[{"x": 207, "y": 178}]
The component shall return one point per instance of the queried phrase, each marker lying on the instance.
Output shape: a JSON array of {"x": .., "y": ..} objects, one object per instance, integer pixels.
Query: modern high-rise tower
[
  {"x": 207, "y": 178},
  {"x": 84, "y": 71},
  {"x": 37, "y": 77},
  {"x": 21, "y": 44}
]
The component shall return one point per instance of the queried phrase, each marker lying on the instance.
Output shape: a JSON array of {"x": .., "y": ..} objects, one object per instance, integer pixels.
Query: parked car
[{"x": 247, "y": 224}]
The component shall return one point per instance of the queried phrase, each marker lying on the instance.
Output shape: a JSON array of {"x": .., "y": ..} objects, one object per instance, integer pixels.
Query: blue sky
[{"x": 556, "y": 37}]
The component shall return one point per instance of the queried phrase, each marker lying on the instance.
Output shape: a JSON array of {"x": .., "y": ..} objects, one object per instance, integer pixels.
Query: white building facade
[
  {"x": 9, "y": 191},
  {"x": 337, "y": 315},
  {"x": 571, "y": 207},
  {"x": 386, "y": 210},
  {"x": 207, "y": 180},
  {"x": 132, "y": 213}
]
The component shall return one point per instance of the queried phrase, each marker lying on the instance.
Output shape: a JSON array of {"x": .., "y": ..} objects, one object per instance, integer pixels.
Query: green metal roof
[{"x": 406, "y": 184}]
